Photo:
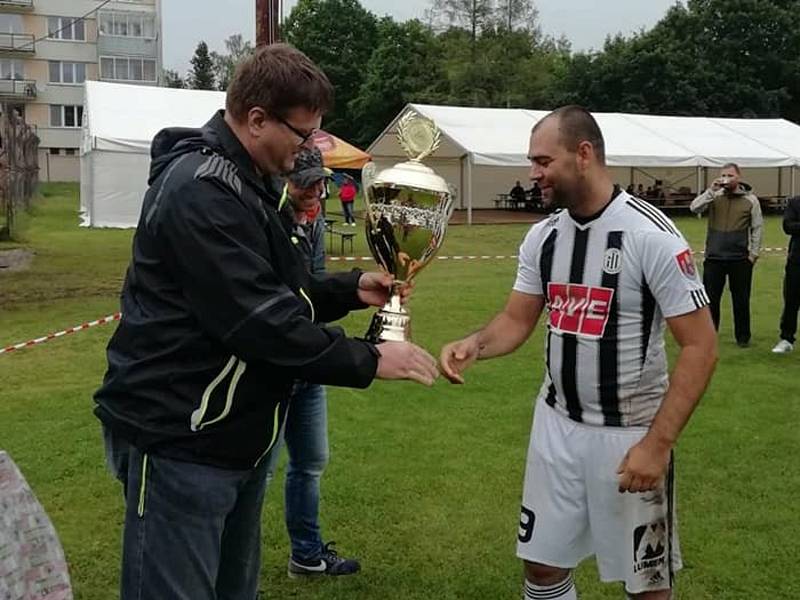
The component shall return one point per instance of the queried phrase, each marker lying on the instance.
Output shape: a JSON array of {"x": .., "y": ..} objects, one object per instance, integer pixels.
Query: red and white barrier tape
[
  {"x": 370, "y": 259},
  {"x": 116, "y": 316},
  {"x": 52, "y": 336},
  {"x": 501, "y": 257}
]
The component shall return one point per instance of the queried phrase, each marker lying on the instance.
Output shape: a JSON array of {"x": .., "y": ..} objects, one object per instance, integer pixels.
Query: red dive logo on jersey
[
  {"x": 579, "y": 309},
  {"x": 686, "y": 264}
]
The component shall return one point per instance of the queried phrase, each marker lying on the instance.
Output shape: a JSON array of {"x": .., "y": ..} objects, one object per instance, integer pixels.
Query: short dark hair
[
  {"x": 278, "y": 78},
  {"x": 733, "y": 166},
  {"x": 576, "y": 125}
]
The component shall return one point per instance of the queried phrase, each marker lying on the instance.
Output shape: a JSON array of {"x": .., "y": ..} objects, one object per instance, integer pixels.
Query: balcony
[
  {"x": 16, "y": 5},
  {"x": 19, "y": 44},
  {"x": 17, "y": 89}
]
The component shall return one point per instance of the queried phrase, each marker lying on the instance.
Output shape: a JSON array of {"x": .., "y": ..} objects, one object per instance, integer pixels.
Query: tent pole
[
  {"x": 794, "y": 181},
  {"x": 462, "y": 188},
  {"x": 469, "y": 189},
  {"x": 699, "y": 180},
  {"x": 632, "y": 174},
  {"x": 780, "y": 181}
]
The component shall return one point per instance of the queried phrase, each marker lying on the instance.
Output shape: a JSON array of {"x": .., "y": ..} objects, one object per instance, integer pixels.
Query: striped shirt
[{"x": 609, "y": 284}]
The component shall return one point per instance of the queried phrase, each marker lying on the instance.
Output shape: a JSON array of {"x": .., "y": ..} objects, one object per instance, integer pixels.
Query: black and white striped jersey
[{"x": 609, "y": 284}]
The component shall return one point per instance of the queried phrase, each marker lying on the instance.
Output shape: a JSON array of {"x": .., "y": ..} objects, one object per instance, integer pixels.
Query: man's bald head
[{"x": 576, "y": 125}]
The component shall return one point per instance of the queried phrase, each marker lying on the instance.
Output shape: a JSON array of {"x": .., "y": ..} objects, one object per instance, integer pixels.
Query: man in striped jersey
[{"x": 611, "y": 270}]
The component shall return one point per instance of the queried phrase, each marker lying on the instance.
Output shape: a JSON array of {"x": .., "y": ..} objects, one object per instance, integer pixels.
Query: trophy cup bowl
[{"x": 408, "y": 207}]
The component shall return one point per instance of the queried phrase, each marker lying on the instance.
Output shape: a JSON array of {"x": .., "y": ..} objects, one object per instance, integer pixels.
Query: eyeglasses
[{"x": 304, "y": 137}]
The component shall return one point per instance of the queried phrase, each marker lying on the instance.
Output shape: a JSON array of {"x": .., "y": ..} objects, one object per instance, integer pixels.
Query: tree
[
  {"x": 225, "y": 64},
  {"x": 736, "y": 58},
  {"x": 171, "y": 79},
  {"x": 201, "y": 76},
  {"x": 511, "y": 68},
  {"x": 472, "y": 15},
  {"x": 339, "y": 36},
  {"x": 513, "y": 14},
  {"x": 405, "y": 67}
]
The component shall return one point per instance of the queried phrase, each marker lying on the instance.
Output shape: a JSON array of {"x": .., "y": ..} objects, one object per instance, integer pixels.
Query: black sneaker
[{"x": 328, "y": 563}]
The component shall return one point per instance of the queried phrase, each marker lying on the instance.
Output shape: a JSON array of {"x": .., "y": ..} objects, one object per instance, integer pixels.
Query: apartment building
[{"x": 48, "y": 49}]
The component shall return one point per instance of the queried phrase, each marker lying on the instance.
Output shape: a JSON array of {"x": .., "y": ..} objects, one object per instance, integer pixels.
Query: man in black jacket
[
  {"x": 220, "y": 316},
  {"x": 791, "y": 281}
]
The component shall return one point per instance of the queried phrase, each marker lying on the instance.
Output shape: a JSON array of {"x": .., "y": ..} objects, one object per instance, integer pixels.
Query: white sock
[{"x": 563, "y": 590}]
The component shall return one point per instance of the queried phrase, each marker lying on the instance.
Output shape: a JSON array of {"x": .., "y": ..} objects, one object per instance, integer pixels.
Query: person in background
[
  {"x": 791, "y": 280},
  {"x": 347, "y": 195},
  {"x": 733, "y": 243},
  {"x": 536, "y": 194},
  {"x": 517, "y": 193},
  {"x": 305, "y": 430}
]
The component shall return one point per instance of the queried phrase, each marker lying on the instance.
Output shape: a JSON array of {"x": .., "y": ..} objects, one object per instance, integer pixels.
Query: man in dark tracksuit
[
  {"x": 791, "y": 281},
  {"x": 733, "y": 244},
  {"x": 220, "y": 317}
]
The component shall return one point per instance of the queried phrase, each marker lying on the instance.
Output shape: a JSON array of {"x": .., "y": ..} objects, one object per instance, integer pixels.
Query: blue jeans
[
  {"x": 347, "y": 209},
  {"x": 306, "y": 436},
  {"x": 192, "y": 532}
]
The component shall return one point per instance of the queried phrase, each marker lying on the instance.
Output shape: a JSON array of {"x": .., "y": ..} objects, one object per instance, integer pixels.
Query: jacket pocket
[{"x": 203, "y": 416}]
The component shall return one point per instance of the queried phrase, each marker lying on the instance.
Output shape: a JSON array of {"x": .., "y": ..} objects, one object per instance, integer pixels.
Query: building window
[
  {"x": 67, "y": 72},
  {"x": 124, "y": 24},
  {"x": 127, "y": 69},
  {"x": 71, "y": 151},
  {"x": 66, "y": 28},
  {"x": 65, "y": 115},
  {"x": 10, "y": 23},
  {"x": 12, "y": 69},
  {"x": 55, "y": 151}
]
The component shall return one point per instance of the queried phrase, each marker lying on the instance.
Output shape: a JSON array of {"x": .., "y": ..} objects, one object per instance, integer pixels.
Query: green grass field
[{"x": 424, "y": 484}]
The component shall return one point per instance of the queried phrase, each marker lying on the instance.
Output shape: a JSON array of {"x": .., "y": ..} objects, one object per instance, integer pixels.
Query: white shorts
[{"x": 572, "y": 508}]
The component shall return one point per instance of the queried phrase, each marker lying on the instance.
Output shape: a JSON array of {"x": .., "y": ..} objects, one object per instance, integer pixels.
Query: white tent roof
[
  {"x": 499, "y": 137},
  {"x": 126, "y": 118}
]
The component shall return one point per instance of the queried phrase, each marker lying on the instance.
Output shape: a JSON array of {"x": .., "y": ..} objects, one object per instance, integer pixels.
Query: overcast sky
[{"x": 586, "y": 23}]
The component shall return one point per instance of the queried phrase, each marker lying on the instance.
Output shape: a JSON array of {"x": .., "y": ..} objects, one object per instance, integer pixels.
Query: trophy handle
[{"x": 368, "y": 176}]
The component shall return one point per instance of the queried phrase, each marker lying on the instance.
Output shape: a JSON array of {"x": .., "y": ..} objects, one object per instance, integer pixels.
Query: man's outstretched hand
[
  {"x": 404, "y": 360},
  {"x": 456, "y": 357}
]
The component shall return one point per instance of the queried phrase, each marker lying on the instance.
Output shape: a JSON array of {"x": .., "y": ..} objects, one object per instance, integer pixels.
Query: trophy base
[{"x": 392, "y": 323}]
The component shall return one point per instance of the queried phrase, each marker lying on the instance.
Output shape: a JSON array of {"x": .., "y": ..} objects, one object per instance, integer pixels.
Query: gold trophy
[{"x": 408, "y": 207}]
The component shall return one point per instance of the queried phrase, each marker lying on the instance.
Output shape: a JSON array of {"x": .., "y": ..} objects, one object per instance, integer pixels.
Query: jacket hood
[
  {"x": 743, "y": 189},
  {"x": 169, "y": 144}
]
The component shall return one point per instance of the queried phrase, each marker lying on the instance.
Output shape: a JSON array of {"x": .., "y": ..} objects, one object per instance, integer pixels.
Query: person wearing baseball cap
[{"x": 305, "y": 431}]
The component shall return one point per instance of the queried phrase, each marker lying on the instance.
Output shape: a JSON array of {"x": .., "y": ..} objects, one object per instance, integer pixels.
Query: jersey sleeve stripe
[
  {"x": 648, "y": 217},
  {"x": 658, "y": 215}
]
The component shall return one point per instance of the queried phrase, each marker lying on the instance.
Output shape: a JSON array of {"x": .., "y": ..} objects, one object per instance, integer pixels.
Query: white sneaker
[{"x": 783, "y": 347}]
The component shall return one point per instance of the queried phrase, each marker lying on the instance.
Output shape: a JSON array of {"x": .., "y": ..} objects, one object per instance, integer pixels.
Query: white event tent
[
  {"x": 119, "y": 124},
  {"x": 484, "y": 150}
]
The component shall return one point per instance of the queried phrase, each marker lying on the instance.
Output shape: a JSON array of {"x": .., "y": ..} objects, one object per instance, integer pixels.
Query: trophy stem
[{"x": 391, "y": 323}]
